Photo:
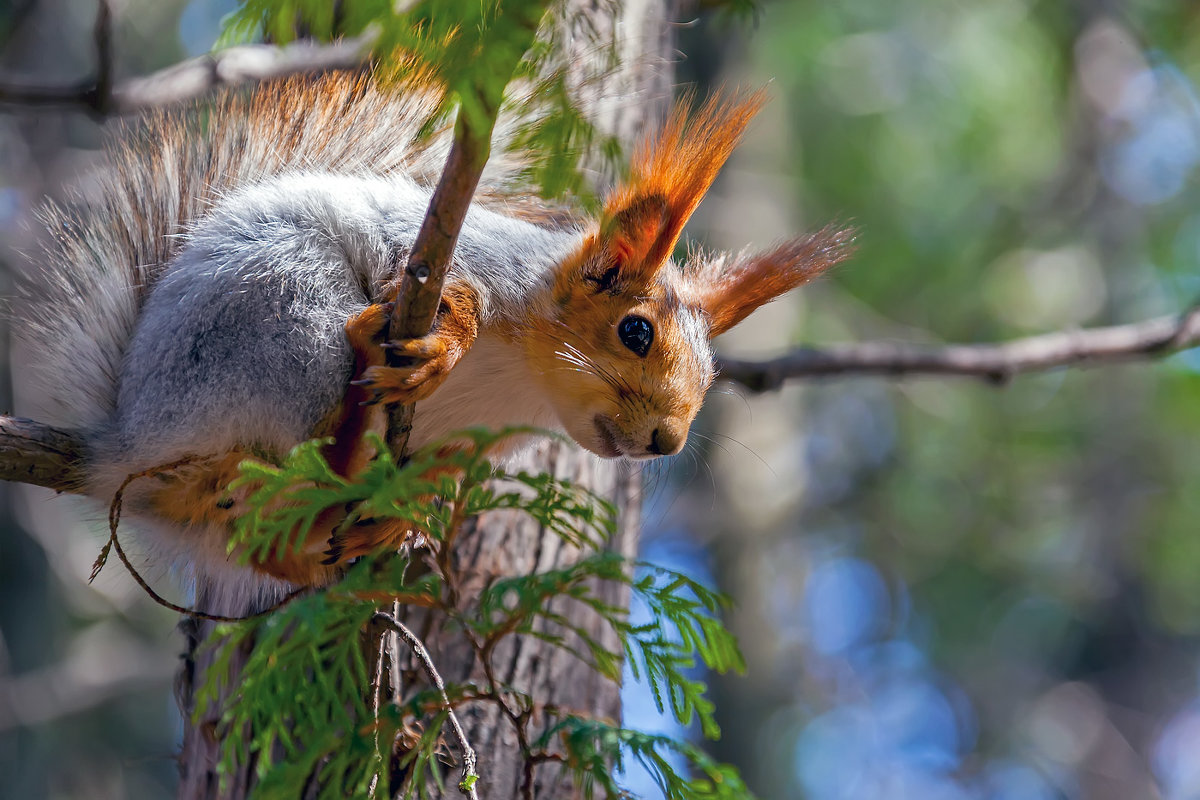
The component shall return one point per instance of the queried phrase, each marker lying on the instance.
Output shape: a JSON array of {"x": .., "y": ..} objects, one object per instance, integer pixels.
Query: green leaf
[
  {"x": 595, "y": 753},
  {"x": 473, "y": 48},
  {"x": 683, "y": 626}
]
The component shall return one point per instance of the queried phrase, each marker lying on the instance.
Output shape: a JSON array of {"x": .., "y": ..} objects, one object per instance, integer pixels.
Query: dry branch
[
  {"x": 31, "y": 452},
  {"x": 188, "y": 79},
  {"x": 994, "y": 362},
  {"x": 470, "y": 772},
  {"x": 428, "y": 263}
]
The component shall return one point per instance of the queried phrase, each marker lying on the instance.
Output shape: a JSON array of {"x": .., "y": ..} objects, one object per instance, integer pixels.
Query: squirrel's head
[{"x": 625, "y": 350}]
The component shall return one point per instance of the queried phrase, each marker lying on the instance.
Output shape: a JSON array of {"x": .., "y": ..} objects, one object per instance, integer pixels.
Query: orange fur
[
  {"x": 354, "y": 415},
  {"x": 645, "y": 403},
  {"x": 681, "y": 162},
  {"x": 196, "y": 495},
  {"x": 366, "y": 536},
  {"x": 729, "y": 292},
  {"x": 575, "y": 353},
  {"x": 669, "y": 174}
]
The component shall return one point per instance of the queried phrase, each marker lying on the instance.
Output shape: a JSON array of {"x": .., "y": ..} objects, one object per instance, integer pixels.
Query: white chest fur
[{"x": 490, "y": 386}]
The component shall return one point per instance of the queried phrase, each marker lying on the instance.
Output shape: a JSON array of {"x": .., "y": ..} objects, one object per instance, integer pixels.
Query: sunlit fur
[
  {"x": 608, "y": 398},
  {"x": 611, "y": 400},
  {"x": 198, "y": 305},
  {"x": 679, "y": 163},
  {"x": 729, "y": 287}
]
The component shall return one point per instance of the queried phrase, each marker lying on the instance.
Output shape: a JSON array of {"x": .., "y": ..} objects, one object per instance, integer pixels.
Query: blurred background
[{"x": 944, "y": 589}]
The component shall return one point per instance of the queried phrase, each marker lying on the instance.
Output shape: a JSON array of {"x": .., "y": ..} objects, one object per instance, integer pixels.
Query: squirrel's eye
[{"x": 636, "y": 333}]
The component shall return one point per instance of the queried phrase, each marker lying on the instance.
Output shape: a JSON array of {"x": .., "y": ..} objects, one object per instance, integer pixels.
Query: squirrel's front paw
[
  {"x": 425, "y": 364},
  {"x": 416, "y": 367}
]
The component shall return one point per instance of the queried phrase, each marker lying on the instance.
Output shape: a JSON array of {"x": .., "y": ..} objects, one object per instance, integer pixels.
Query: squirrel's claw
[
  {"x": 376, "y": 395},
  {"x": 404, "y": 384},
  {"x": 368, "y": 536},
  {"x": 408, "y": 370},
  {"x": 333, "y": 554},
  {"x": 426, "y": 348}
]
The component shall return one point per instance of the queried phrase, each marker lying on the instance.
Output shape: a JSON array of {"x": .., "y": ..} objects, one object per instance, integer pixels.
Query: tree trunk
[{"x": 504, "y": 543}]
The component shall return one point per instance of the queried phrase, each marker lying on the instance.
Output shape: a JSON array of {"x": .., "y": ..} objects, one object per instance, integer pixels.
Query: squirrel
[{"x": 226, "y": 297}]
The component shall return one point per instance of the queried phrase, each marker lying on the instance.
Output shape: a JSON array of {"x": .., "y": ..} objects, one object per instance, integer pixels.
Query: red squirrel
[{"x": 225, "y": 294}]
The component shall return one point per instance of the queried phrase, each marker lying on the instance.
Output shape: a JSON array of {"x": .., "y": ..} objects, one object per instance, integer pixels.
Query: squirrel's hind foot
[
  {"x": 365, "y": 331},
  {"x": 369, "y": 536}
]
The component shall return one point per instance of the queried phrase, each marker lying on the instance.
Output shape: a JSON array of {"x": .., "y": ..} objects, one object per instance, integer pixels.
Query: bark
[
  {"x": 31, "y": 452},
  {"x": 508, "y": 544},
  {"x": 501, "y": 543}
]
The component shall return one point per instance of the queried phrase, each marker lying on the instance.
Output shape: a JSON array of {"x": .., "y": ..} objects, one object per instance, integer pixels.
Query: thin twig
[
  {"x": 379, "y": 651},
  {"x": 114, "y": 544},
  {"x": 470, "y": 776},
  {"x": 387, "y": 678},
  {"x": 994, "y": 362},
  {"x": 393, "y": 650},
  {"x": 420, "y": 291}
]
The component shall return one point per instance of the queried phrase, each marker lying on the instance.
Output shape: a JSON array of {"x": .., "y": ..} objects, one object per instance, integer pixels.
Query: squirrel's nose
[{"x": 666, "y": 440}]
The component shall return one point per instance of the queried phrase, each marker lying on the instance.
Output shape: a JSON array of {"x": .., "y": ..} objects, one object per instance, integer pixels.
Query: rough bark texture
[
  {"x": 505, "y": 543},
  {"x": 31, "y": 452},
  {"x": 501, "y": 543}
]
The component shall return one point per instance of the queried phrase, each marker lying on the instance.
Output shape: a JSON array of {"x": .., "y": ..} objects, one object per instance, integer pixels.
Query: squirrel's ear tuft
[
  {"x": 729, "y": 289},
  {"x": 671, "y": 171},
  {"x": 632, "y": 232}
]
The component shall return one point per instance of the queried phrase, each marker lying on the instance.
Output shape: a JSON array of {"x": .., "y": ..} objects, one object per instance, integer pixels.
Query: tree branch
[
  {"x": 470, "y": 773},
  {"x": 31, "y": 452},
  {"x": 424, "y": 275},
  {"x": 994, "y": 362},
  {"x": 429, "y": 261},
  {"x": 186, "y": 80}
]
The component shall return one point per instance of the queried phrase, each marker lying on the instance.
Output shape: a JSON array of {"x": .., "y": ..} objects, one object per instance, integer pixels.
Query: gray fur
[
  {"x": 242, "y": 336},
  {"x": 254, "y": 218},
  {"x": 78, "y": 304}
]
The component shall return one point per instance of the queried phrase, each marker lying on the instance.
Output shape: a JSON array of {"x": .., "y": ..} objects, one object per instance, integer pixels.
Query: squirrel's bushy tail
[{"x": 104, "y": 249}]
